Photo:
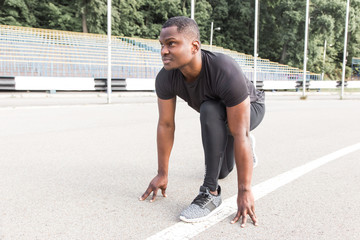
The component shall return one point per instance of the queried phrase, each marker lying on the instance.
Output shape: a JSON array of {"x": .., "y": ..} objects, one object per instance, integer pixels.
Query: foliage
[
  {"x": 17, "y": 12},
  {"x": 281, "y": 24}
]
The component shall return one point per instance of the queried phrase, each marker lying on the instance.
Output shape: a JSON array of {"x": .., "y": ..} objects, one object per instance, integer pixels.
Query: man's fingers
[
  {"x": 163, "y": 192},
  {"x": 148, "y": 192},
  {"x": 243, "y": 220},
  {"x": 154, "y": 195},
  {"x": 145, "y": 195},
  {"x": 236, "y": 218},
  {"x": 254, "y": 219}
]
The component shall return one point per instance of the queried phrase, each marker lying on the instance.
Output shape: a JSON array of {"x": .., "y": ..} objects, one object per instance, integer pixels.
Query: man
[{"x": 229, "y": 105}]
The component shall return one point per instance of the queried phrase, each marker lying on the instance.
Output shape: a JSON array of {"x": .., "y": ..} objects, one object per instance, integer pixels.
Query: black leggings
[{"x": 217, "y": 140}]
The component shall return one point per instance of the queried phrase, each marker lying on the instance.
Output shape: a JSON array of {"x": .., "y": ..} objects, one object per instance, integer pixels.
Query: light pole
[
  {"x": 324, "y": 58},
  {"x": 109, "y": 51},
  {"x": 212, "y": 33},
  {"x": 193, "y": 9},
  {"x": 255, "y": 41},
  {"x": 345, "y": 52},
  {"x": 305, "y": 47},
  {"x": 323, "y": 68}
]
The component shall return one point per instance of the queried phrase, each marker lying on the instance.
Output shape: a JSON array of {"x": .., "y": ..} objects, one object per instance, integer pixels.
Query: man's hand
[
  {"x": 158, "y": 181},
  {"x": 246, "y": 206}
]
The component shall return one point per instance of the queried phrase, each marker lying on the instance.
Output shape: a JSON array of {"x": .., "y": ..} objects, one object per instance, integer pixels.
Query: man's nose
[{"x": 164, "y": 50}]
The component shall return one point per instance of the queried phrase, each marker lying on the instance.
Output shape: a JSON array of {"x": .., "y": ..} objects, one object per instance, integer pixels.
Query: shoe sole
[{"x": 201, "y": 219}]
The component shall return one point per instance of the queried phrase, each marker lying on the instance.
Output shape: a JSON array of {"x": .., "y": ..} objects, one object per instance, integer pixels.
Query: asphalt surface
[{"x": 73, "y": 167}]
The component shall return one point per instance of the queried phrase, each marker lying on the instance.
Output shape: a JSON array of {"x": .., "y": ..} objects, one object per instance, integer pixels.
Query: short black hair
[{"x": 184, "y": 25}]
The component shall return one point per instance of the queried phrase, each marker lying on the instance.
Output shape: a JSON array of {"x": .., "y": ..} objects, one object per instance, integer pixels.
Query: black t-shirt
[{"x": 221, "y": 79}]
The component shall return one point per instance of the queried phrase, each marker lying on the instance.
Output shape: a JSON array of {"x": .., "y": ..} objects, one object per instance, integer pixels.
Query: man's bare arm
[
  {"x": 165, "y": 141},
  {"x": 239, "y": 125},
  {"x": 165, "y": 133}
]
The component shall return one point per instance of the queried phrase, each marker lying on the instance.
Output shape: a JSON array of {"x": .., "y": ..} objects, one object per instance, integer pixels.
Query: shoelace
[{"x": 201, "y": 199}]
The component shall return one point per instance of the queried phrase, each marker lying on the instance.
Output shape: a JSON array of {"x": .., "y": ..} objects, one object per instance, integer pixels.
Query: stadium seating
[{"x": 42, "y": 52}]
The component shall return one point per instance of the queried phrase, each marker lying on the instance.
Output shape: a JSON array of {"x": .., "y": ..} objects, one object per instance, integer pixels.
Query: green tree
[
  {"x": 203, "y": 19},
  {"x": 238, "y": 27},
  {"x": 328, "y": 23},
  {"x": 96, "y": 16},
  {"x": 155, "y": 13},
  {"x": 281, "y": 37},
  {"x": 17, "y": 13},
  {"x": 354, "y": 33},
  {"x": 127, "y": 20},
  {"x": 219, "y": 16},
  {"x": 60, "y": 15}
]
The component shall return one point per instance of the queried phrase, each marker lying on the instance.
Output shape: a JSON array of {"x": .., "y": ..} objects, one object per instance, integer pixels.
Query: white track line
[{"x": 184, "y": 230}]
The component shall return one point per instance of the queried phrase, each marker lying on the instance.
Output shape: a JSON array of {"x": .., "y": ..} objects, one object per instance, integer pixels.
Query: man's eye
[{"x": 171, "y": 43}]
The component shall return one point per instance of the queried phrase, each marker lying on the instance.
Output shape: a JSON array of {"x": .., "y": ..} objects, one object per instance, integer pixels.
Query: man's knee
[
  {"x": 257, "y": 112},
  {"x": 212, "y": 110}
]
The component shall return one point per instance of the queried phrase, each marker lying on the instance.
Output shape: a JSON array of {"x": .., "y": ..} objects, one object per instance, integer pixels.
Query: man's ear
[{"x": 195, "y": 46}]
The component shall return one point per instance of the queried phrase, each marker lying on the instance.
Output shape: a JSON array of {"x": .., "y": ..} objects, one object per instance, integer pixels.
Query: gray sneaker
[
  {"x": 253, "y": 142},
  {"x": 203, "y": 206}
]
